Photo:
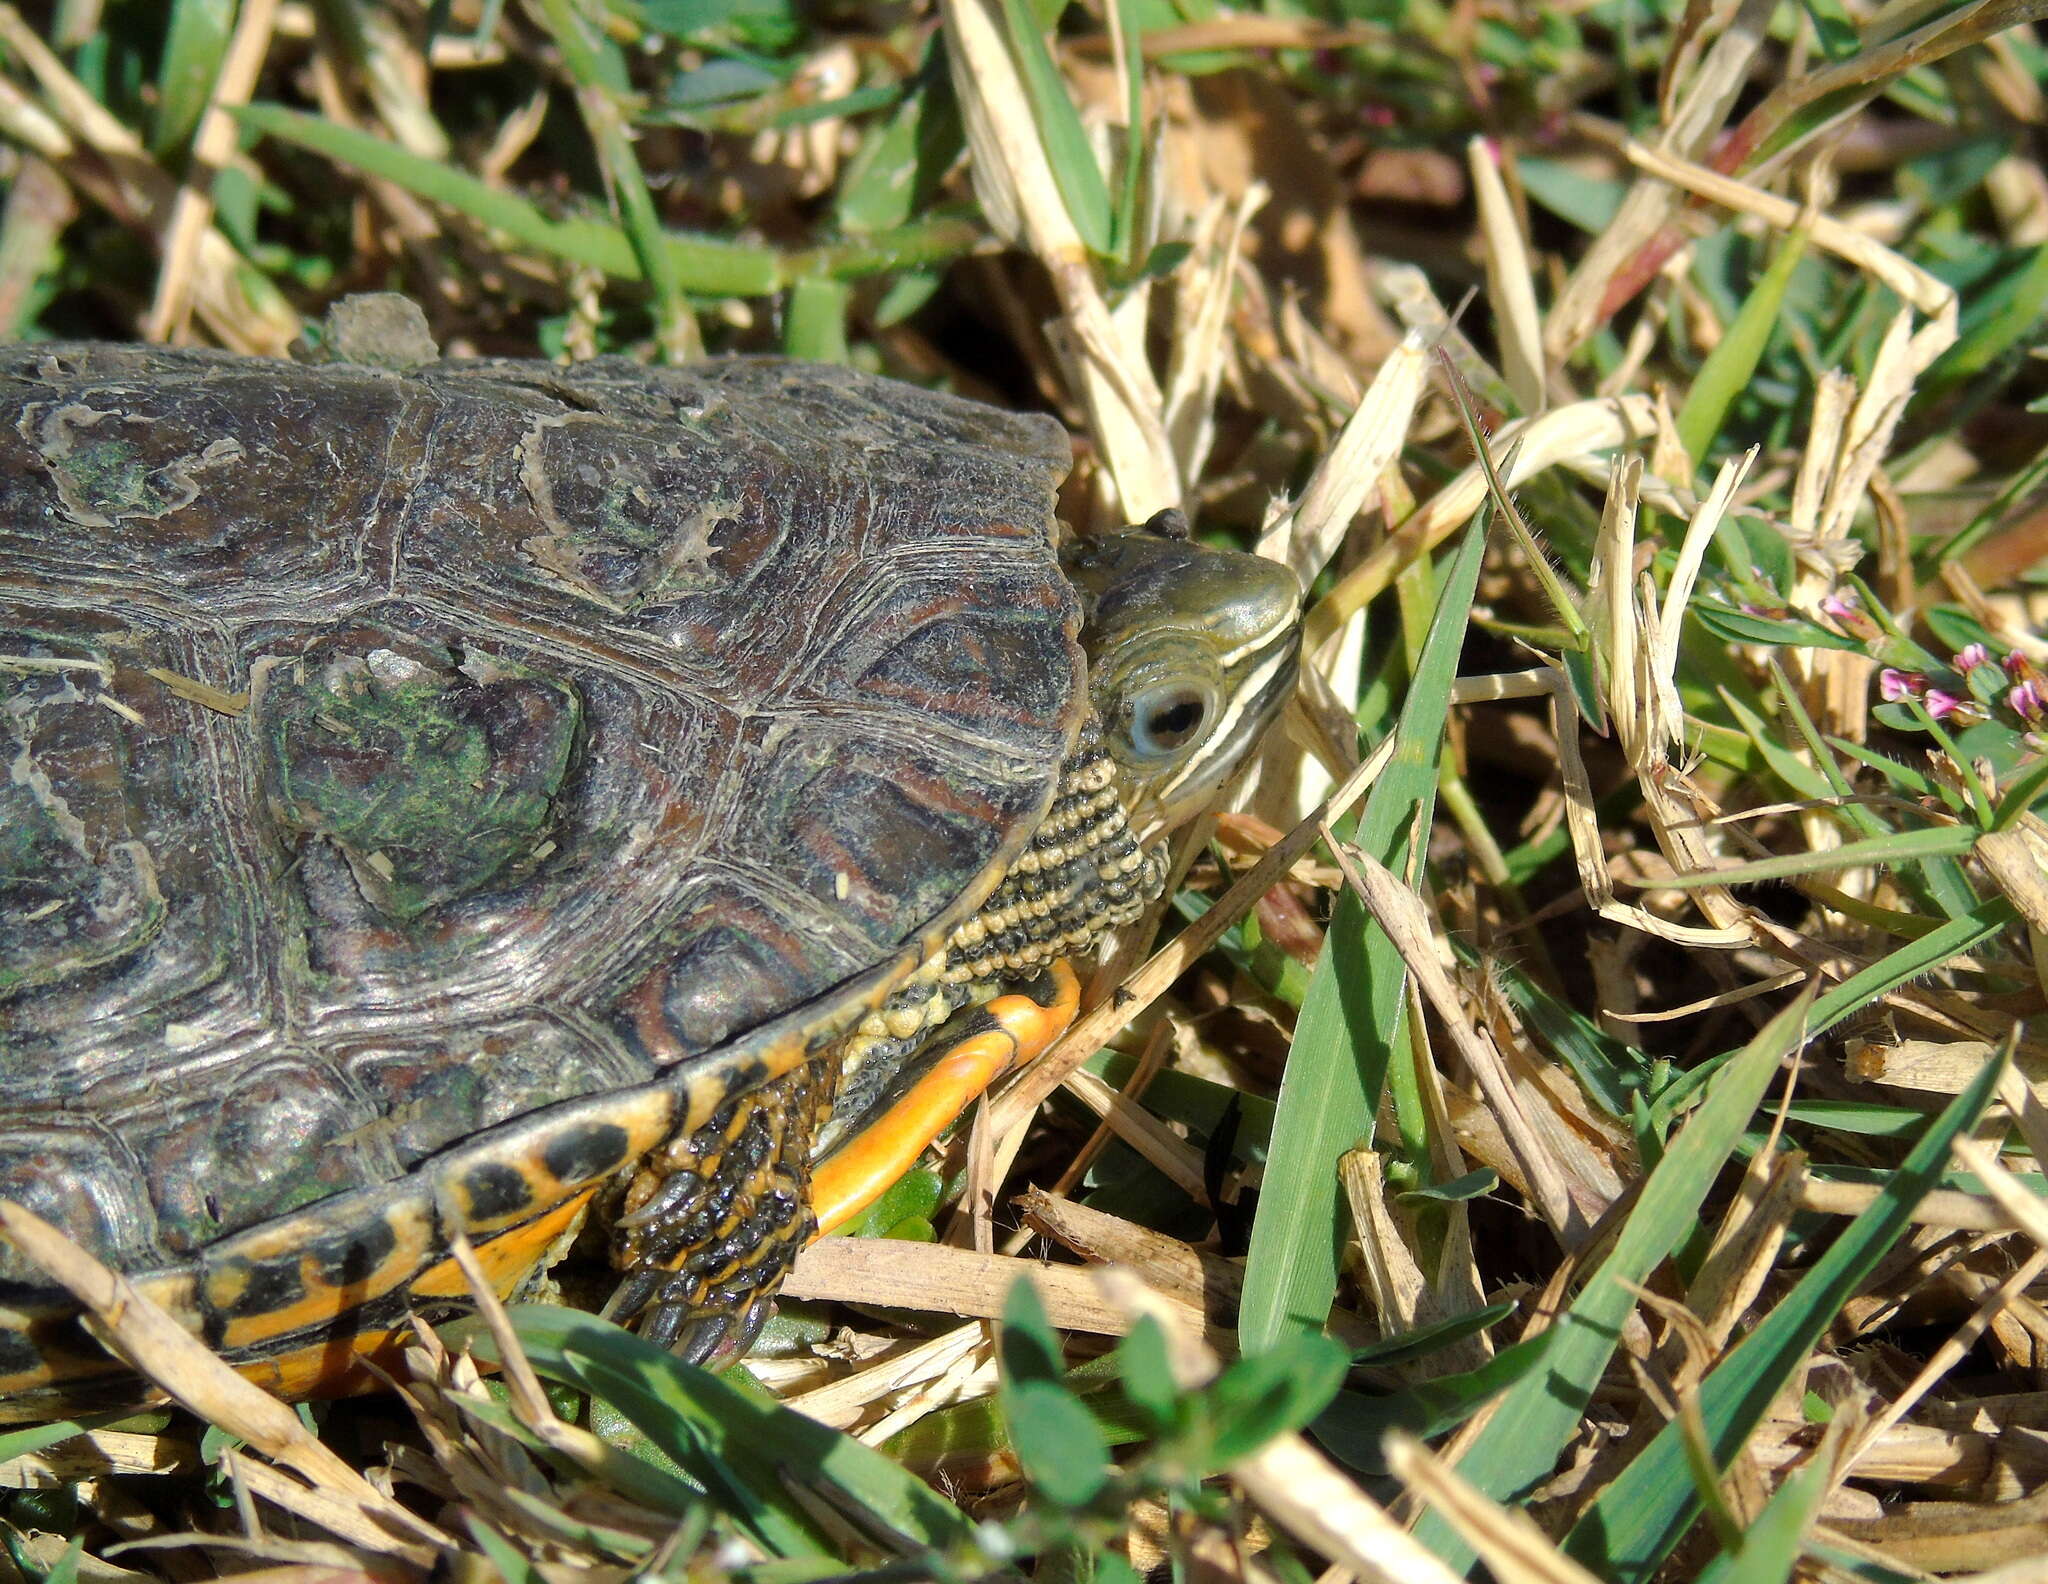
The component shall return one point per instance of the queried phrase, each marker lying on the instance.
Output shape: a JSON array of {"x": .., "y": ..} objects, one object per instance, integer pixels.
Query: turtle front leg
[
  {"x": 711, "y": 1220},
  {"x": 957, "y": 1062}
]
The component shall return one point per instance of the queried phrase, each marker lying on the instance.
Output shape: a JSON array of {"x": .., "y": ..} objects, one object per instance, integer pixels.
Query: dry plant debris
[{"x": 1612, "y": 1010}]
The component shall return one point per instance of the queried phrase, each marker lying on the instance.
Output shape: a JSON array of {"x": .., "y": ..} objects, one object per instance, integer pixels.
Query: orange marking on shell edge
[
  {"x": 860, "y": 1171},
  {"x": 333, "y": 1367},
  {"x": 648, "y": 1118},
  {"x": 507, "y": 1257},
  {"x": 324, "y": 1300}
]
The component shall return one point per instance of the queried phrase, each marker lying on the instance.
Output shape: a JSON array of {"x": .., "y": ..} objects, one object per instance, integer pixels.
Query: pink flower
[
  {"x": 1900, "y": 685},
  {"x": 1846, "y": 612},
  {"x": 1942, "y": 704},
  {"x": 1971, "y": 657},
  {"x": 2026, "y": 700}
]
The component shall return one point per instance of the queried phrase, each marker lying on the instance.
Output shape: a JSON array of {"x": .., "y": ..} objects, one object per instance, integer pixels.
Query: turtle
[{"x": 530, "y": 800}]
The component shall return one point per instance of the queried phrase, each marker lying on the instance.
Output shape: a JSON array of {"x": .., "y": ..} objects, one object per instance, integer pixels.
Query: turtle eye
[{"x": 1165, "y": 720}]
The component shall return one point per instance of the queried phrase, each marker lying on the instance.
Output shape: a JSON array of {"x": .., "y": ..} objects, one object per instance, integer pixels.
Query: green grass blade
[
  {"x": 510, "y": 1562},
  {"x": 1911, "y": 960},
  {"x": 1126, "y": 16},
  {"x": 1354, "y": 1428},
  {"x": 2009, "y": 313},
  {"x": 634, "y": 1466},
  {"x": 600, "y": 76},
  {"x": 1940, "y": 841},
  {"x": 1067, "y": 149},
  {"x": 1541, "y": 1413},
  {"x": 1942, "y": 882},
  {"x": 33, "y": 1438},
  {"x": 1732, "y": 364},
  {"x": 743, "y": 1448},
  {"x": 194, "y": 43},
  {"x": 815, "y": 326},
  {"x": 1864, "y": 989},
  {"x": 65, "y": 1569},
  {"x": 708, "y": 266},
  {"x": 1772, "y": 1546},
  {"x": 2017, "y": 798},
  {"x": 1636, "y": 1521},
  {"x": 1352, "y": 1014}
]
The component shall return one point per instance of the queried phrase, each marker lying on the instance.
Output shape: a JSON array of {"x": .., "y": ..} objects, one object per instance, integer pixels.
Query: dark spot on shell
[
  {"x": 354, "y": 1256},
  {"x": 272, "y": 1285},
  {"x": 586, "y": 1150},
  {"x": 494, "y": 1190},
  {"x": 18, "y": 1352}
]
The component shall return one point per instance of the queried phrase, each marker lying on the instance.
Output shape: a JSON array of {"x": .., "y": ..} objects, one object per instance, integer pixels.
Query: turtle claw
[
  {"x": 705, "y": 1337},
  {"x": 702, "y": 1252}
]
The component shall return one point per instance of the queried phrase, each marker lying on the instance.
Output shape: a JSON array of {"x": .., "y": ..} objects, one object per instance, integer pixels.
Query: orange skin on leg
[{"x": 852, "y": 1178}]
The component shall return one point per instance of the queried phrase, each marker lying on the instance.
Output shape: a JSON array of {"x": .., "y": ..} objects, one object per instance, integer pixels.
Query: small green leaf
[
  {"x": 1793, "y": 631},
  {"x": 910, "y": 1200},
  {"x": 1267, "y": 1394},
  {"x": 1835, "y": 29},
  {"x": 906, "y": 294},
  {"x": 1569, "y": 193},
  {"x": 767, "y": 25},
  {"x": 1164, "y": 259},
  {"x": 1056, "y": 1441},
  {"x": 1030, "y": 1348},
  {"x": 1472, "y": 1185},
  {"x": 1147, "y": 1378}
]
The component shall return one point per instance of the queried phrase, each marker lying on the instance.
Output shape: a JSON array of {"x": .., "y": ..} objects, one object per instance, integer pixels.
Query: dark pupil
[{"x": 1172, "y": 725}]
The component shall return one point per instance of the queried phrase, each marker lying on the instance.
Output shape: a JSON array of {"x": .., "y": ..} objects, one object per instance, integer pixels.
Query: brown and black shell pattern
[{"x": 426, "y": 792}]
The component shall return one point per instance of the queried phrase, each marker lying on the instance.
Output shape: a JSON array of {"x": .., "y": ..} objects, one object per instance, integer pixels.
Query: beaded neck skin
[{"x": 1191, "y": 652}]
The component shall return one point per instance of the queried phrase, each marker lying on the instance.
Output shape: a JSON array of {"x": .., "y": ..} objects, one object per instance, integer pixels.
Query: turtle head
[{"x": 1191, "y": 652}]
